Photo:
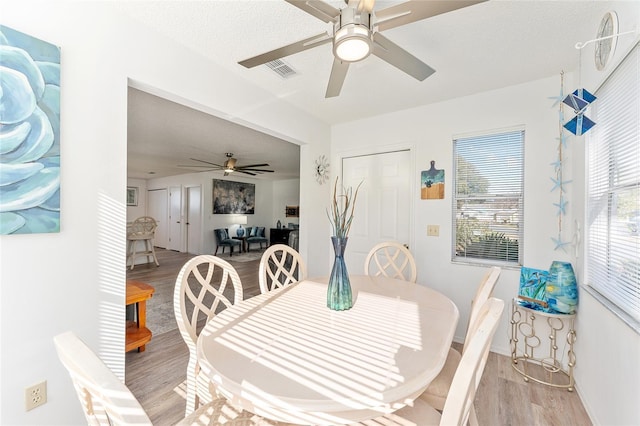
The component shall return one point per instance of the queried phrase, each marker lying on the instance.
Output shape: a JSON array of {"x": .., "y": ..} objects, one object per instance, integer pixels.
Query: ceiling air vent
[{"x": 281, "y": 68}]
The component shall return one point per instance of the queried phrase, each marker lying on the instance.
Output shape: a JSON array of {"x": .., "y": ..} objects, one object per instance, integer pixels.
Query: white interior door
[
  {"x": 175, "y": 218},
  {"x": 194, "y": 220},
  {"x": 383, "y": 207},
  {"x": 157, "y": 209}
]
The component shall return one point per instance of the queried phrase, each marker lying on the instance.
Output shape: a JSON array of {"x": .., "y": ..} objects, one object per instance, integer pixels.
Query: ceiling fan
[
  {"x": 229, "y": 166},
  {"x": 356, "y": 35}
]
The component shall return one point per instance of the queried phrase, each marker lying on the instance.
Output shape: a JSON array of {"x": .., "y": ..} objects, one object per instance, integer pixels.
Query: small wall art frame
[
  {"x": 30, "y": 118},
  {"x": 231, "y": 197},
  {"x": 132, "y": 196},
  {"x": 432, "y": 183},
  {"x": 292, "y": 211}
]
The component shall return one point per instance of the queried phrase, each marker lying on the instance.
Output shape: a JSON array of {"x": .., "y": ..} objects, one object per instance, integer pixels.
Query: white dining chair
[
  {"x": 107, "y": 401},
  {"x": 436, "y": 394},
  {"x": 459, "y": 403},
  {"x": 280, "y": 266},
  {"x": 205, "y": 285},
  {"x": 391, "y": 259}
]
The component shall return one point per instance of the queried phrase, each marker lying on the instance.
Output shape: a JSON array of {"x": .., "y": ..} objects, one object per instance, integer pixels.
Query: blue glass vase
[
  {"x": 339, "y": 289},
  {"x": 562, "y": 288}
]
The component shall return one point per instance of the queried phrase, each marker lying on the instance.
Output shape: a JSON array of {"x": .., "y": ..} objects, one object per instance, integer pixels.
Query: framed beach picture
[
  {"x": 132, "y": 196},
  {"x": 30, "y": 122}
]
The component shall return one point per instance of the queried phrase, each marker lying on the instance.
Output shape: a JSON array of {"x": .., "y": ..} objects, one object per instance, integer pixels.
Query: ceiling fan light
[{"x": 352, "y": 43}]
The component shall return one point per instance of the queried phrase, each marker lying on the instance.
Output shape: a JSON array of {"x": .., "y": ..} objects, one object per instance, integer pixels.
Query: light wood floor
[{"x": 156, "y": 376}]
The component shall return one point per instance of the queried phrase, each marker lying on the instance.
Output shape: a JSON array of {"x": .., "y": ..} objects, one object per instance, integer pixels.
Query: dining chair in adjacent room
[
  {"x": 107, "y": 401},
  {"x": 436, "y": 393},
  {"x": 280, "y": 266},
  {"x": 199, "y": 294},
  {"x": 393, "y": 260},
  {"x": 458, "y": 407}
]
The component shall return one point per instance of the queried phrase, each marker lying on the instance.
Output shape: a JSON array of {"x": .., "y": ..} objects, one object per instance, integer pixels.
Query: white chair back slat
[{"x": 393, "y": 260}]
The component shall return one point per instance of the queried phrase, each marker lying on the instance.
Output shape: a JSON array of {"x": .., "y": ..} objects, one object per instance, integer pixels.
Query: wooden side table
[
  {"x": 137, "y": 334},
  {"x": 525, "y": 340}
]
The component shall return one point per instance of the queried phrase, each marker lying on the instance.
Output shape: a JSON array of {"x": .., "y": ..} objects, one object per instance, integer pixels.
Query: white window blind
[
  {"x": 488, "y": 198},
  {"x": 613, "y": 188}
]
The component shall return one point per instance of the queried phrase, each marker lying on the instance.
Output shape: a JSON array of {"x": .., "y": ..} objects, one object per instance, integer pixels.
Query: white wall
[
  {"x": 74, "y": 280},
  {"x": 430, "y": 129},
  {"x": 285, "y": 193}
]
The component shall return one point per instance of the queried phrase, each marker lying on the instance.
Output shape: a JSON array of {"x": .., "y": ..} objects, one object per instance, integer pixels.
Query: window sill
[{"x": 623, "y": 316}]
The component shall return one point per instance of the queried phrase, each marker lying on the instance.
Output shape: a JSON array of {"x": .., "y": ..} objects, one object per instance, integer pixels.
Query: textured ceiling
[{"x": 483, "y": 47}]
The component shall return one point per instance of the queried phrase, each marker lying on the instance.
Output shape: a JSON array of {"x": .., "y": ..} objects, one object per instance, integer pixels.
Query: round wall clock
[
  {"x": 605, "y": 47},
  {"x": 322, "y": 169}
]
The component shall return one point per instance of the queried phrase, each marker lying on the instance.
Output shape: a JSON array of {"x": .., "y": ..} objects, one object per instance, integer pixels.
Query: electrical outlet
[
  {"x": 433, "y": 230},
  {"x": 35, "y": 396}
]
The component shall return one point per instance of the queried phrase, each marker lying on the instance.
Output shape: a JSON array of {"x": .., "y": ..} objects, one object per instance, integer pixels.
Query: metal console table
[{"x": 524, "y": 342}]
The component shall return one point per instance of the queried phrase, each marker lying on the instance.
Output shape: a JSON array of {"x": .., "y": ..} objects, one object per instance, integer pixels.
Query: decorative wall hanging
[
  {"x": 233, "y": 197},
  {"x": 432, "y": 183},
  {"x": 29, "y": 135},
  {"x": 292, "y": 211},
  {"x": 322, "y": 170},
  {"x": 558, "y": 181},
  {"x": 132, "y": 196},
  {"x": 579, "y": 100}
]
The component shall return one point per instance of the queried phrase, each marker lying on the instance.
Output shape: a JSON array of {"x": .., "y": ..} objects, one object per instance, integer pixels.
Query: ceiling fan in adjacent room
[
  {"x": 229, "y": 166},
  {"x": 356, "y": 35}
]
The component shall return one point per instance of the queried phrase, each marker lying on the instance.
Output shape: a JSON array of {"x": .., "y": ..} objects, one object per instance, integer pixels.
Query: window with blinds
[
  {"x": 488, "y": 198},
  {"x": 613, "y": 188}
]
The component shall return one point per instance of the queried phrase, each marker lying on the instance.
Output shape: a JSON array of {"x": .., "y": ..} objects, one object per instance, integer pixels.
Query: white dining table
[{"x": 287, "y": 357}]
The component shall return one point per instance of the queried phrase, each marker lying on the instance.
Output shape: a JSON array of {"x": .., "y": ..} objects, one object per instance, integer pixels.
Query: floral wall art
[{"x": 29, "y": 134}]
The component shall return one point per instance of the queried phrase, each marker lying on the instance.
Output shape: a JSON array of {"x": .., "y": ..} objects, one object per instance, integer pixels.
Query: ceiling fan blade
[
  {"x": 194, "y": 166},
  {"x": 338, "y": 74},
  {"x": 416, "y": 10},
  {"x": 243, "y": 171},
  {"x": 255, "y": 170},
  {"x": 317, "y": 8},
  {"x": 253, "y": 165},
  {"x": 206, "y": 162},
  {"x": 390, "y": 52},
  {"x": 290, "y": 49},
  {"x": 366, "y": 5}
]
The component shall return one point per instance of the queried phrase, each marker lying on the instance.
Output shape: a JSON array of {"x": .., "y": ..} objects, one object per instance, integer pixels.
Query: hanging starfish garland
[{"x": 558, "y": 182}]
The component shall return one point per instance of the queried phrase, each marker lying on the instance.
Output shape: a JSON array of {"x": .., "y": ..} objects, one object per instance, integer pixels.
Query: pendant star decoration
[
  {"x": 562, "y": 205},
  {"x": 558, "y": 183},
  {"x": 559, "y": 243}
]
